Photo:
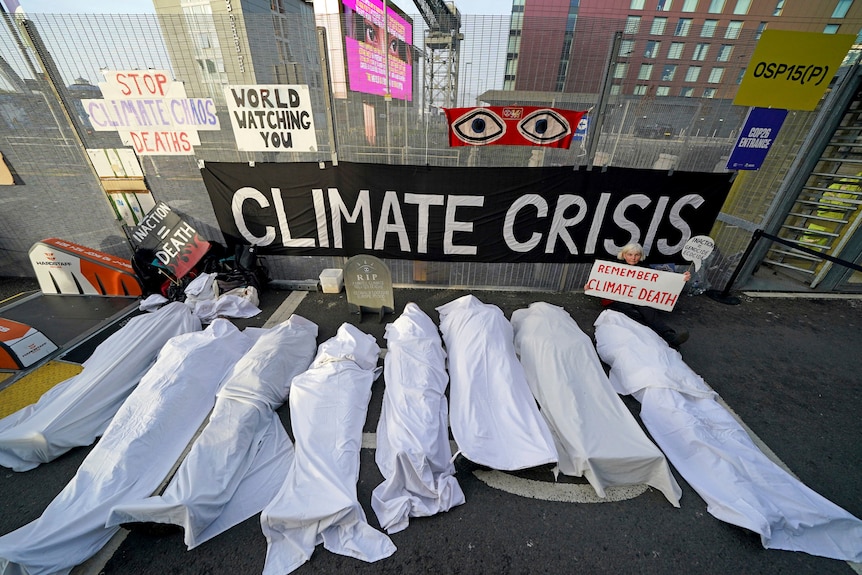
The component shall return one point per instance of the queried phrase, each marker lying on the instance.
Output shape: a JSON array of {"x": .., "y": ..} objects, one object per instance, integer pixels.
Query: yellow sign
[{"x": 791, "y": 70}]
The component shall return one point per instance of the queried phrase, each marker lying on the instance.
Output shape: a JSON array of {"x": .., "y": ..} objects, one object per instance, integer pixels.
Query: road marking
[
  {"x": 287, "y": 307},
  {"x": 756, "y": 440},
  {"x": 563, "y": 492},
  {"x": 544, "y": 490},
  {"x": 95, "y": 564}
]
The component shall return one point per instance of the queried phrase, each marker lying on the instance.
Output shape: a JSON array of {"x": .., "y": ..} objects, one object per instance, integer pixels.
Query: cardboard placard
[
  {"x": 697, "y": 249},
  {"x": 634, "y": 284},
  {"x": 175, "y": 244}
]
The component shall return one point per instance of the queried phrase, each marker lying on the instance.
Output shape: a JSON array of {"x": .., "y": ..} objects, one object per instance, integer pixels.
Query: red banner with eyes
[{"x": 512, "y": 126}]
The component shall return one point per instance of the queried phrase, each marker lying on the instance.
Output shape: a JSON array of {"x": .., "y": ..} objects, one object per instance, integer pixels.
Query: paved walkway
[{"x": 787, "y": 366}]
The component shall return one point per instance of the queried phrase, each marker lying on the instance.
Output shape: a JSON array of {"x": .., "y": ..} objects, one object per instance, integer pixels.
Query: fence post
[
  {"x": 52, "y": 77},
  {"x": 724, "y": 295},
  {"x": 323, "y": 51},
  {"x": 596, "y": 126}
]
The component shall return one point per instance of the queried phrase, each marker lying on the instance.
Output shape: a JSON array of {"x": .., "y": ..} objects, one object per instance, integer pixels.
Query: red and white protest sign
[
  {"x": 636, "y": 285},
  {"x": 512, "y": 126},
  {"x": 150, "y": 112}
]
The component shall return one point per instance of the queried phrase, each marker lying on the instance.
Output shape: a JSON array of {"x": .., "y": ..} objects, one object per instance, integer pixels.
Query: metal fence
[{"x": 59, "y": 195}]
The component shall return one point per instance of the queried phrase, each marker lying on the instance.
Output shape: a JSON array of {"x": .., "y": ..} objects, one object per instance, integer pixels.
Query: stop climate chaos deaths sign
[{"x": 552, "y": 214}]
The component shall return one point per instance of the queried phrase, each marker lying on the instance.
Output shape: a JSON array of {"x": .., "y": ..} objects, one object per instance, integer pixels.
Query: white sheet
[
  {"x": 139, "y": 448},
  {"x": 238, "y": 463},
  {"x": 596, "y": 435},
  {"x": 202, "y": 297},
  {"x": 714, "y": 453},
  {"x": 493, "y": 415},
  {"x": 76, "y": 411},
  {"x": 318, "y": 502},
  {"x": 413, "y": 451}
]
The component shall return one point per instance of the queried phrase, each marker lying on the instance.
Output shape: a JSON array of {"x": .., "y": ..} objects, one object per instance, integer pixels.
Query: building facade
[
  {"x": 688, "y": 48},
  {"x": 213, "y": 43}
]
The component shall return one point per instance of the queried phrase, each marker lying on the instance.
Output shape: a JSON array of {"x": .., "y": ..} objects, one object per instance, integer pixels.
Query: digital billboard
[{"x": 379, "y": 58}]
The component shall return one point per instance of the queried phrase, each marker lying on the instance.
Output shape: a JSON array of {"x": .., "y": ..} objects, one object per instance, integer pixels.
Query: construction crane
[{"x": 442, "y": 49}]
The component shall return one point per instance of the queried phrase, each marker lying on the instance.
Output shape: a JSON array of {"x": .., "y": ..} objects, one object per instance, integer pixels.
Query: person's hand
[{"x": 687, "y": 276}]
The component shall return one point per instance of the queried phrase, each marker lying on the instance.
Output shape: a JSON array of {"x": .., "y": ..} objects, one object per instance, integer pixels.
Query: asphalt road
[{"x": 787, "y": 366}]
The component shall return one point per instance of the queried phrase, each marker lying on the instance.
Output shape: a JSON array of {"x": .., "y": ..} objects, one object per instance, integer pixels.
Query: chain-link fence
[{"x": 656, "y": 104}]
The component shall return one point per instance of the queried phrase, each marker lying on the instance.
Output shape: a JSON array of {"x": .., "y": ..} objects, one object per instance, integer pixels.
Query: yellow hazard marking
[
  {"x": 32, "y": 386},
  {"x": 16, "y": 296}
]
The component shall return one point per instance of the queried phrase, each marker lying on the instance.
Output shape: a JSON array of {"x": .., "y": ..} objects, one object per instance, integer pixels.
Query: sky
[
  {"x": 481, "y": 68},
  {"x": 477, "y": 7}
]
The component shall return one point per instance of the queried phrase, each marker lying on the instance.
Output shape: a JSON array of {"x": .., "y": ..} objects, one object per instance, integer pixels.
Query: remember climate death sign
[
  {"x": 553, "y": 214},
  {"x": 634, "y": 284}
]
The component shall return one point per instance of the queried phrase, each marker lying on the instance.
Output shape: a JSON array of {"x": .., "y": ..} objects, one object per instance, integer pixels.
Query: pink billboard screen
[{"x": 371, "y": 47}]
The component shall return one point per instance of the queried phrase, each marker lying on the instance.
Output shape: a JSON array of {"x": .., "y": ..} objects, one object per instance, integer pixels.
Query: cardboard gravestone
[{"x": 369, "y": 286}]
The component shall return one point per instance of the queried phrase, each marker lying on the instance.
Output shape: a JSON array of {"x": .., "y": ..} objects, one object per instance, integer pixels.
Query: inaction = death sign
[
  {"x": 634, "y": 284},
  {"x": 174, "y": 243}
]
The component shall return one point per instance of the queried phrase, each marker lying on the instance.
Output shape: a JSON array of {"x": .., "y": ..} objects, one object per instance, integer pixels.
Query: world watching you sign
[{"x": 271, "y": 118}]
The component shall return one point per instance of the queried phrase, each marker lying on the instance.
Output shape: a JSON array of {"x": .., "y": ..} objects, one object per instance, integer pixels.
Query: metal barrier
[{"x": 45, "y": 135}]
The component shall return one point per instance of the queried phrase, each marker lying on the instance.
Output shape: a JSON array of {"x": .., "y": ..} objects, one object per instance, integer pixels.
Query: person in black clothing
[{"x": 633, "y": 255}]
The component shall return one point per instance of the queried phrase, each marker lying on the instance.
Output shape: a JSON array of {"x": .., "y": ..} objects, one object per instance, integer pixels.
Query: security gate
[{"x": 826, "y": 214}]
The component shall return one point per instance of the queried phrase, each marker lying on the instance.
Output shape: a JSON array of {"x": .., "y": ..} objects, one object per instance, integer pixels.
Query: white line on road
[
  {"x": 287, "y": 307},
  {"x": 563, "y": 492},
  {"x": 544, "y": 490},
  {"x": 95, "y": 564}
]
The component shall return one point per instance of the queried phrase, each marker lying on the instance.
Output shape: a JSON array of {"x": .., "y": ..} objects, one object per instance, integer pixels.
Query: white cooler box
[{"x": 331, "y": 280}]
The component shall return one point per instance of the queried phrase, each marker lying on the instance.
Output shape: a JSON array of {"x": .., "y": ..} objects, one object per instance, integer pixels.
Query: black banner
[{"x": 462, "y": 214}]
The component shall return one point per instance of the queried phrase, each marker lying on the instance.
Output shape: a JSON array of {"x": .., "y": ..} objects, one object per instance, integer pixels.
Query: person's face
[
  {"x": 373, "y": 35},
  {"x": 632, "y": 258},
  {"x": 368, "y": 32},
  {"x": 394, "y": 52}
]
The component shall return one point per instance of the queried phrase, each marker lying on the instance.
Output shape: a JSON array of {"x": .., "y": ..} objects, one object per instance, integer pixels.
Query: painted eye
[
  {"x": 544, "y": 127},
  {"x": 479, "y": 126}
]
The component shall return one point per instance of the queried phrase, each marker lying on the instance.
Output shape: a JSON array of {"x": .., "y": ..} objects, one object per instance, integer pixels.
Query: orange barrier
[
  {"x": 64, "y": 267},
  {"x": 21, "y": 345}
]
